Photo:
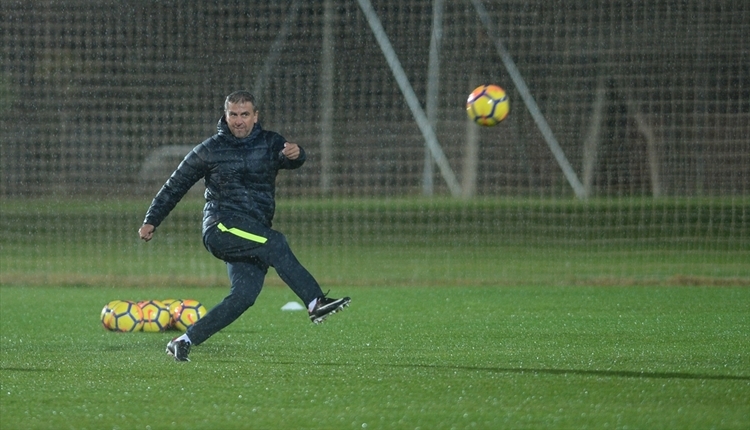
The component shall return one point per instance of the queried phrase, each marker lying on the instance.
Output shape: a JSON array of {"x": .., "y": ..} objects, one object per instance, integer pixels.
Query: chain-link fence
[
  {"x": 644, "y": 98},
  {"x": 646, "y": 104}
]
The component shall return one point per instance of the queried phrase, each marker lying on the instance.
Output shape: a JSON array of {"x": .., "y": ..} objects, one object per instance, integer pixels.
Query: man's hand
[
  {"x": 146, "y": 232},
  {"x": 290, "y": 151}
]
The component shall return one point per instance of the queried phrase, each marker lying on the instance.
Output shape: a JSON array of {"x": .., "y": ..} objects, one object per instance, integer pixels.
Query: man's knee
[
  {"x": 241, "y": 302},
  {"x": 277, "y": 242}
]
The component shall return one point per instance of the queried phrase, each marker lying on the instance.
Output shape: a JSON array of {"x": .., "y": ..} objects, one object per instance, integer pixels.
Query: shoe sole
[
  {"x": 340, "y": 307},
  {"x": 172, "y": 354}
]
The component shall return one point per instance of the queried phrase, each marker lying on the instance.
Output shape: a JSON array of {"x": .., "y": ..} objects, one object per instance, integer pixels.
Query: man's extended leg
[
  {"x": 239, "y": 239},
  {"x": 277, "y": 253}
]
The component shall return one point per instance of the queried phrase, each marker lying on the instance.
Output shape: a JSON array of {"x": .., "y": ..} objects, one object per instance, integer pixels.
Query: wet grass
[
  {"x": 506, "y": 313},
  {"x": 419, "y": 357}
]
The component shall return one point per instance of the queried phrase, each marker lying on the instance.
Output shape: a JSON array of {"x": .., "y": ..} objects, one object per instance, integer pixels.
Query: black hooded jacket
[{"x": 240, "y": 177}]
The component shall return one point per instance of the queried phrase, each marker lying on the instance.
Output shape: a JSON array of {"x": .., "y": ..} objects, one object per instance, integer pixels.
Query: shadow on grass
[
  {"x": 608, "y": 373},
  {"x": 26, "y": 369},
  {"x": 521, "y": 370}
]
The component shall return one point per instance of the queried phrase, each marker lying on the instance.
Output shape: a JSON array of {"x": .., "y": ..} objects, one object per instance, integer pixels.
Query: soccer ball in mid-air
[
  {"x": 487, "y": 105},
  {"x": 187, "y": 313},
  {"x": 126, "y": 316},
  {"x": 156, "y": 316},
  {"x": 106, "y": 315}
]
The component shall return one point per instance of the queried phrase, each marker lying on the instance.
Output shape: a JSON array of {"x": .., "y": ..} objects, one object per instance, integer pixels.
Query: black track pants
[{"x": 248, "y": 250}]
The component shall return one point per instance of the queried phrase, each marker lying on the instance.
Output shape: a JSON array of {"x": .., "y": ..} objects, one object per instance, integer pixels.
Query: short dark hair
[{"x": 240, "y": 96}]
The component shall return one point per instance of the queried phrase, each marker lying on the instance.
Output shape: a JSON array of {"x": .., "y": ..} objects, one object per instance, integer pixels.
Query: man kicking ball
[{"x": 239, "y": 165}]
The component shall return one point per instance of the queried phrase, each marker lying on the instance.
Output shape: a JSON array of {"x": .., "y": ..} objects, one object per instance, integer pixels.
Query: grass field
[
  {"x": 418, "y": 357},
  {"x": 418, "y": 242},
  {"x": 515, "y": 313}
]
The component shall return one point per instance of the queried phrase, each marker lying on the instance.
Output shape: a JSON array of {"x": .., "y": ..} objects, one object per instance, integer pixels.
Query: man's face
[{"x": 241, "y": 117}]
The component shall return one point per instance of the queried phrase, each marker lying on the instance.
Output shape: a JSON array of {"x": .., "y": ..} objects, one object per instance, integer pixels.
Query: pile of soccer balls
[{"x": 151, "y": 315}]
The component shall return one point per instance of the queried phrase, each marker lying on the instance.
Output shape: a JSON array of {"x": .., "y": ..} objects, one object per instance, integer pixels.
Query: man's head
[{"x": 241, "y": 113}]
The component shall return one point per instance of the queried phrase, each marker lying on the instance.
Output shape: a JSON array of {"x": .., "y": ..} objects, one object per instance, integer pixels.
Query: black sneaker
[
  {"x": 179, "y": 349},
  {"x": 326, "y": 306}
]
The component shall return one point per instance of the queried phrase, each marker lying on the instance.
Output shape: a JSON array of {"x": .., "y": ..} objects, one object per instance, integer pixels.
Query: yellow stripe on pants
[{"x": 243, "y": 234}]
